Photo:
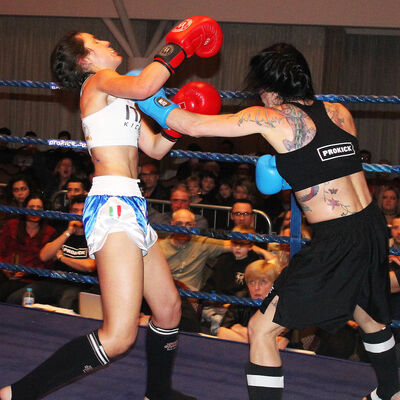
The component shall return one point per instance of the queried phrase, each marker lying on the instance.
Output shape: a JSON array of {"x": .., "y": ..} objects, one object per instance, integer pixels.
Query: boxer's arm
[
  {"x": 153, "y": 144},
  {"x": 245, "y": 122},
  {"x": 148, "y": 82}
]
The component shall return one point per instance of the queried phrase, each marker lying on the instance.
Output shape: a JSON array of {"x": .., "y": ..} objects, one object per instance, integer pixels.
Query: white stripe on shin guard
[
  {"x": 265, "y": 381},
  {"x": 380, "y": 347},
  {"x": 162, "y": 331},
  {"x": 98, "y": 349},
  {"x": 374, "y": 396}
]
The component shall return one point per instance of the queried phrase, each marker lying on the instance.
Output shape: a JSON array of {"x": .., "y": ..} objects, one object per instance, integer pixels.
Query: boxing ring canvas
[{"x": 207, "y": 368}]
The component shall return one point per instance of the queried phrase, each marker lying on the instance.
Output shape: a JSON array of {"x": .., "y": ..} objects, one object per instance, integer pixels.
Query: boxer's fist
[
  {"x": 268, "y": 179},
  {"x": 199, "y": 97},
  {"x": 199, "y": 34}
]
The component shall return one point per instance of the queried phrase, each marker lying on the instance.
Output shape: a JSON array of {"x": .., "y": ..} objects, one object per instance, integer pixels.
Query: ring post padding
[{"x": 295, "y": 227}]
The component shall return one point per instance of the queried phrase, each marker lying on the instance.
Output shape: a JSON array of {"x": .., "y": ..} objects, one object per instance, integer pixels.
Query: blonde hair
[{"x": 262, "y": 269}]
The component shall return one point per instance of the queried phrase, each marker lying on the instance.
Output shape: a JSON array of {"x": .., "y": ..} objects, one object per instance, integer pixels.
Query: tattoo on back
[
  {"x": 308, "y": 196},
  {"x": 333, "y": 114},
  {"x": 332, "y": 200},
  {"x": 302, "y": 134}
]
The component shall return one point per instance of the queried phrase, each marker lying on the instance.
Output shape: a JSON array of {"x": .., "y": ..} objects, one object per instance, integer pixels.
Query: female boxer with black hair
[
  {"x": 343, "y": 274},
  {"x": 130, "y": 264}
]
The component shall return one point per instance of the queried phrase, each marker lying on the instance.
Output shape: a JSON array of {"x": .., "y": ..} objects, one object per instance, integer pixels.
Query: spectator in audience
[
  {"x": 224, "y": 196},
  {"x": 244, "y": 189},
  {"x": 20, "y": 243},
  {"x": 242, "y": 213},
  {"x": 228, "y": 276},
  {"x": 191, "y": 167},
  {"x": 74, "y": 187},
  {"x": 187, "y": 254},
  {"x": 228, "y": 273},
  {"x": 244, "y": 171},
  {"x": 208, "y": 187},
  {"x": 180, "y": 198},
  {"x": 193, "y": 184},
  {"x": 18, "y": 189},
  {"x": 24, "y": 156},
  {"x": 68, "y": 249},
  {"x": 259, "y": 276},
  {"x": 389, "y": 202},
  {"x": 63, "y": 171},
  {"x": 225, "y": 146},
  {"x": 151, "y": 186},
  {"x": 211, "y": 167}
]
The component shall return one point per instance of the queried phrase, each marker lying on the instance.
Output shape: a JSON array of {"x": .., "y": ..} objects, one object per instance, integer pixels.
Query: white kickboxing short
[{"x": 115, "y": 204}]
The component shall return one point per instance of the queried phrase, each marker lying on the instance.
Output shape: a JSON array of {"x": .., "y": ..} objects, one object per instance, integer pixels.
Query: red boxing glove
[
  {"x": 199, "y": 97},
  {"x": 199, "y": 34},
  {"x": 171, "y": 135}
]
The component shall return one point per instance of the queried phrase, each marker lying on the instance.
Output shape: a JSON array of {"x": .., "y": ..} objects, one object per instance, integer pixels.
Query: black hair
[
  {"x": 246, "y": 201},
  {"x": 21, "y": 229},
  {"x": 5, "y": 131},
  {"x": 64, "y": 133},
  {"x": 80, "y": 198},
  {"x": 283, "y": 70},
  {"x": 76, "y": 179},
  {"x": 9, "y": 188},
  {"x": 64, "y": 61}
]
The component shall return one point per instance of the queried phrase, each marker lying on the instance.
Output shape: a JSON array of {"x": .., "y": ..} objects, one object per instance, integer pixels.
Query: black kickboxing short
[{"x": 345, "y": 264}]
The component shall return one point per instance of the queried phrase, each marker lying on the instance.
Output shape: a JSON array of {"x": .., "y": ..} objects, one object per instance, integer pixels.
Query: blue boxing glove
[
  {"x": 157, "y": 106},
  {"x": 268, "y": 179}
]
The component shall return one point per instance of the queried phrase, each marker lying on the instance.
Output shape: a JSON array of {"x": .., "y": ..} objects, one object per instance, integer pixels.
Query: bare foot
[{"x": 5, "y": 393}]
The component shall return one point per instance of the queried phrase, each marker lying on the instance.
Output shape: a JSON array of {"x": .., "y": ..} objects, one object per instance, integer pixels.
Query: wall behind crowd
[{"x": 340, "y": 62}]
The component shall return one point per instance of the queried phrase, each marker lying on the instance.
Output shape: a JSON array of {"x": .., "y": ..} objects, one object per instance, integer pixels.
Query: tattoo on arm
[{"x": 257, "y": 115}]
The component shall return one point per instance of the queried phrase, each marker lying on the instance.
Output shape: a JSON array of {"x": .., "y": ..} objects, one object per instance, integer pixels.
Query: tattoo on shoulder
[
  {"x": 302, "y": 133},
  {"x": 333, "y": 114},
  {"x": 258, "y": 115}
]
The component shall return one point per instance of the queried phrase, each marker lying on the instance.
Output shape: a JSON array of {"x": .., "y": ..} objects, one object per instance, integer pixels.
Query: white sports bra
[{"x": 117, "y": 124}]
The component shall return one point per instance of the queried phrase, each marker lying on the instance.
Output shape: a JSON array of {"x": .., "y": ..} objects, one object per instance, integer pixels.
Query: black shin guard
[
  {"x": 264, "y": 382},
  {"x": 161, "y": 347},
  {"x": 75, "y": 359},
  {"x": 381, "y": 353}
]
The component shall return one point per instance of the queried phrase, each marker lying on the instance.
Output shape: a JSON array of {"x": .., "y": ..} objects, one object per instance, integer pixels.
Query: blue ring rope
[
  {"x": 226, "y": 94},
  {"x": 220, "y": 157}
]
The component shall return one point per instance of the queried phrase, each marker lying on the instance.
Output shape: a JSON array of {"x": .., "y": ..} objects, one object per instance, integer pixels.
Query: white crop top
[{"x": 117, "y": 124}]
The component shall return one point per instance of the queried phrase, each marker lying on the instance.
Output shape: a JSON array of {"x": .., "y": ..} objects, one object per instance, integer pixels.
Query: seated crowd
[{"x": 60, "y": 179}]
